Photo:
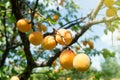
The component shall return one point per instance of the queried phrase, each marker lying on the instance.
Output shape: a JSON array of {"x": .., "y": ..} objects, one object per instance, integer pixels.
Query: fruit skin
[
  {"x": 55, "y": 17},
  {"x": 108, "y": 3},
  {"x": 66, "y": 59},
  {"x": 110, "y": 12},
  {"x": 14, "y": 78},
  {"x": 49, "y": 42},
  {"x": 36, "y": 38},
  {"x": 91, "y": 44},
  {"x": 23, "y": 25},
  {"x": 63, "y": 37},
  {"x": 81, "y": 62}
]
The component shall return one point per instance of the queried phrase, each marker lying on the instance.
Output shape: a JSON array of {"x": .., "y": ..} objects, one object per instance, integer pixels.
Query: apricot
[
  {"x": 36, "y": 38},
  {"x": 43, "y": 27},
  {"x": 55, "y": 17},
  {"x": 91, "y": 44},
  {"x": 68, "y": 78},
  {"x": 14, "y": 78},
  {"x": 85, "y": 42},
  {"x": 66, "y": 59},
  {"x": 81, "y": 62},
  {"x": 63, "y": 37},
  {"x": 23, "y": 25},
  {"x": 49, "y": 42}
]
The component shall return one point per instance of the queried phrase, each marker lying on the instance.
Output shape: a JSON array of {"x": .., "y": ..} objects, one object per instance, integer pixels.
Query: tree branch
[
  {"x": 30, "y": 62},
  {"x": 3, "y": 58},
  {"x": 96, "y": 10}
]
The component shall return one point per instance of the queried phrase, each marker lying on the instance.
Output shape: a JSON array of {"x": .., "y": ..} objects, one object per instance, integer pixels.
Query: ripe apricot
[
  {"x": 108, "y": 3},
  {"x": 63, "y": 37},
  {"x": 81, "y": 62},
  {"x": 91, "y": 44},
  {"x": 49, "y": 42},
  {"x": 36, "y": 38},
  {"x": 110, "y": 12},
  {"x": 68, "y": 78},
  {"x": 23, "y": 25},
  {"x": 55, "y": 17},
  {"x": 14, "y": 78},
  {"x": 66, "y": 59}
]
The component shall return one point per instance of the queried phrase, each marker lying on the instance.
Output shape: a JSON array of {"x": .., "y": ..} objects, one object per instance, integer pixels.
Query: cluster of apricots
[
  {"x": 90, "y": 43},
  {"x": 111, "y": 10},
  {"x": 62, "y": 36},
  {"x": 68, "y": 59}
]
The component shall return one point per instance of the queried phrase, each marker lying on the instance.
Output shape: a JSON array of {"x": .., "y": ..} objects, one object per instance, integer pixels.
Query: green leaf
[
  {"x": 107, "y": 53},
  {"x": 106, "y": 31}
]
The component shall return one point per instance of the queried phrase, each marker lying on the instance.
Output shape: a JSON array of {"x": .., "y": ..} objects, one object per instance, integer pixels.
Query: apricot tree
[{"x": 30, "y": 30}]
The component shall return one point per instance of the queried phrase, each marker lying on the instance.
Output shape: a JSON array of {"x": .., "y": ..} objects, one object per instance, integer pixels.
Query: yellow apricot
[
  {"x": 23, "y": 25},
  {"x": 49, "y": 42},
  {"x": 36, "y": 38},
  {"x": 63, "y": 37},
  {"x": 43, "y": 27},
  {"x": 91, "y": 44},
  {"x": 55, "y": 17},
  {"x": 14, "y": 78},
  {"x": 85, "y": 43},
  {"x": 66, "y": 59},
  {"x": 81, "y": 62},
  {"x": 68, "y": 78}
]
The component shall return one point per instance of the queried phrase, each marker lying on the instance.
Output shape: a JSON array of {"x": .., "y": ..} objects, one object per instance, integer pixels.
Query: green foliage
[
  {"x": 110, "y": 68},
  {"x": 107, "y": 53}
]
